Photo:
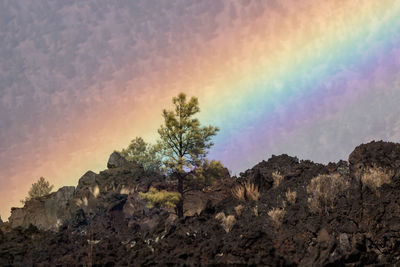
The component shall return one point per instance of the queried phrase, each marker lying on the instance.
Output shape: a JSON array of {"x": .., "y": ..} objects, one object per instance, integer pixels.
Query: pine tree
[{"x": 183, "y": 141}]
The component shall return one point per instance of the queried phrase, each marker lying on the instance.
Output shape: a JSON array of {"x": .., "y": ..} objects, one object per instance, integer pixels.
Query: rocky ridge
[{"x": 112, "y": 226}]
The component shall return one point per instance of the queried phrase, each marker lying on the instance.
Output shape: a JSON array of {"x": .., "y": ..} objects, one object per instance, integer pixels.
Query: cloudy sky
[{"x": 79, "y": 79}]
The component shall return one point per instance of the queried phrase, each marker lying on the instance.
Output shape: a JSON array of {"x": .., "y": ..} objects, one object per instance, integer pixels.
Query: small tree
[
  {"x": 144, "y": 154},
  {"x": 38, "y": 189},
  {"x": 207, "y": 174},
  {"x": 183, "y": 141}
]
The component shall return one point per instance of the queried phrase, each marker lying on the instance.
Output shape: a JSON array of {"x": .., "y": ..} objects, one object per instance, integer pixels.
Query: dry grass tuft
[
  {"x": 95, "y": 191},
  {"x": 278, "y": 178},
  {"x": 82, "y": 202},
  {"x": 277, "y": 215},
  {"x": 238, "y": 210},
  {"x": 374, "y": 177},
  {"x": 291, "y": 196},
  {"x": 248, "y": 191},
  {"x": 252, "y": 192},
  {"x": 125, "y": 191},
  {"x": 255, "y": 211},
  {"x": 227, "y": 222},
  {"x": 239, "y": 193},
  {"x": 323, "y": 191}
]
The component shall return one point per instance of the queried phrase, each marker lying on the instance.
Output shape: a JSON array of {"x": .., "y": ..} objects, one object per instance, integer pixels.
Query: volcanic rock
[
  {"x": 357, "y": 227},
  {"x": 46, "y": 213},
  {"x": 382, "y": 154}
]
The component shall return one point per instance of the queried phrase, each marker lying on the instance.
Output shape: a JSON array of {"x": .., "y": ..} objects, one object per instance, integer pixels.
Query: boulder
[
  {"x": 135, "y": 207},
  {"x": 47, "y": 212},
  {"x": 87, "y": 181},
  {"x": 116, "y": 160}
]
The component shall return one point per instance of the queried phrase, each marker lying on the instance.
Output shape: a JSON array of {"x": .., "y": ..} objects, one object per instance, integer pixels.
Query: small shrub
[
  {"x": 238, "y": 210},
  {"x": 277, "y": 215},
  {"x": 323, "y": 191},
  {"x": 163, "y": 198},
  {"x": 248, "y": 191},
  {"x": 227, "y": 222},
  {"x": 278, "y": 178},
  {"x": 291, "y": 196},
  {"x": 374, "y": 177}
]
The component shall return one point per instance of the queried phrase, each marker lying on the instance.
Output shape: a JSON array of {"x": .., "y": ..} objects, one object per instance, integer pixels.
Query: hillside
[{"x": 341, "y": 214}]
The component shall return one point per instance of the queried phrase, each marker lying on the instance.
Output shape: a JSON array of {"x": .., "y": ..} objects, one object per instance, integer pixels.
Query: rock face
[
  {"x": 47, "y": 212},
  {"x": 359, "y": 226}
]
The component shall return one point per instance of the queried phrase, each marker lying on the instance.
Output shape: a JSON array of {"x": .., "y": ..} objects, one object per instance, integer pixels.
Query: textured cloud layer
[{"x": 79, "y": 79}]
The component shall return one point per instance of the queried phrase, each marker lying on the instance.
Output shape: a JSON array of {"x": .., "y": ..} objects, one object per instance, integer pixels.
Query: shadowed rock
[{"x": 357, "y": 228}]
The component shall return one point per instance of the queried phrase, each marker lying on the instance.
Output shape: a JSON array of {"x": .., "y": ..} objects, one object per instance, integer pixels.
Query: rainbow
[
  {"x": 268, "y": 71},
  {"x": 338, "y": 51}
]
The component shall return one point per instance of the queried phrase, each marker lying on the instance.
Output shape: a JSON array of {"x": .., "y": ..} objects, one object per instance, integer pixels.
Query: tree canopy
[{"x": 143, "y": 153}]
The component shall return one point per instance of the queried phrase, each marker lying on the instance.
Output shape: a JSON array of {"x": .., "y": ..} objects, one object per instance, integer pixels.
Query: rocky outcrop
[
  {"x": 359, "y": 226},
  {"x": 117, "y": 161},
  {"x": 87, "y": 181},
  {"x": 381, "y": 154},
  {"x": 68, "y": 203},
  {"x": 48, "y": 212}
]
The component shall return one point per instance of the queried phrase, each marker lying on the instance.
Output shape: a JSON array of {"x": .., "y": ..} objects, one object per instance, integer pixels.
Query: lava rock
[{"x": 116, "y": 160}]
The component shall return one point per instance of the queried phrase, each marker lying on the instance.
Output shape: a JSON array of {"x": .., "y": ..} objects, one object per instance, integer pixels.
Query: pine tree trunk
[{"x": 179, "y": 205}]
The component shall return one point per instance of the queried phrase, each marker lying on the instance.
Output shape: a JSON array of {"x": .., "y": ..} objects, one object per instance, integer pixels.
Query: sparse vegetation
[
  {"x": 374, "y": 177},
  {"x": 323, "y": 191},
  {"x": 227, "y": 222},
  {"x": 277, "y": 215},
  {"x": 247, "y": 192},
  {"x": 38, "y": 189},
  {"x": 291, "y": 196},
  {"x": 278, "y": 178},
  {"x": 163, "y": 198},
  {"x": 238, "y": 210}
]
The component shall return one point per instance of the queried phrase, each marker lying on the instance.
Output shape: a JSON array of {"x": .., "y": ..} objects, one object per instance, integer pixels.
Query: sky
[{"x": 80, "y": 79}]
